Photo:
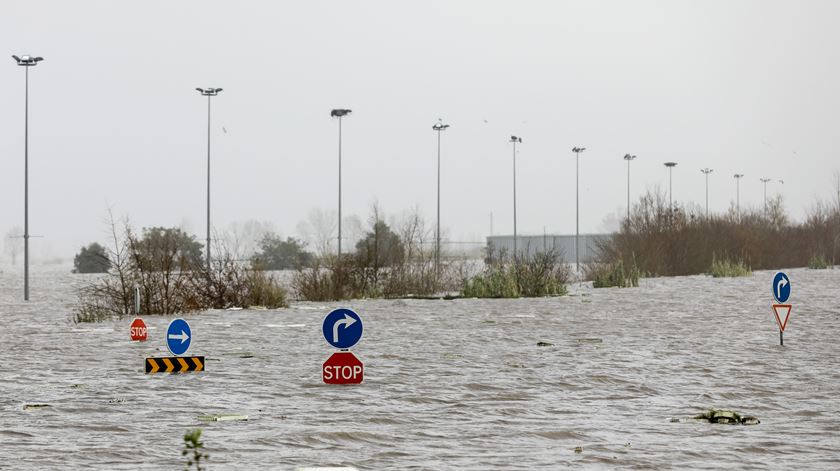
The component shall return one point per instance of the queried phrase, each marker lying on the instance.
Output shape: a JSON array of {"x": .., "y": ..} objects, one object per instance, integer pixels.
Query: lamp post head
[
  {"x": 209, "y": 91},
  {"x": 739, "y": 175},
  {"x": 629, "y": 157},
  {"x": 765, "y": 180},
  {"x": 707, "y": 170},
  {"x": 670, "y": 164},
  {"x": 515, "y": 139},
  {"x": 440, "y": 126},
  {"x": 578, "y": 150},
  {"x": 338, "y": 113},
  {"x": 26, "y": 60}
]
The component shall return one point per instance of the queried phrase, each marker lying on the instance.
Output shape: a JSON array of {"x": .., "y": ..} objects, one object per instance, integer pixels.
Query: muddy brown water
[{"x": 449, "y": 384}]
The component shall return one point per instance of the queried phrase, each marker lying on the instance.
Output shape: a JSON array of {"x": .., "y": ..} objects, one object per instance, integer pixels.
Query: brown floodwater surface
[{"x": 448, "y": 384}]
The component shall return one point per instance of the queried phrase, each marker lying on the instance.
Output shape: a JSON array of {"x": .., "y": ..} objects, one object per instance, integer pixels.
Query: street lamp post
[
  {"x": 577, "y": 151},
  {"x": 738, "y": 177},
  {"x": 707, "y": 171},
  {"x": 628, "y": 158},
  {"x": 765, "y": 180},
  {"x": 671, "y": 166},
  {"x": 439, "y": 127},
  {"x": 514, "y": 140},
  {"x": 339, "y": 113},
  {"x": 208, "y": 92},
  {"x": 26, "y": 61}
]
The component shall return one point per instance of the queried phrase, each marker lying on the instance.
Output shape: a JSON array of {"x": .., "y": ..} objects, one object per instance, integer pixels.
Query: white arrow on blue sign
[
  {"x": 178, "y": 337},
  {"x": 342, "y": 328},
  {"x": 781, "y": 287}
]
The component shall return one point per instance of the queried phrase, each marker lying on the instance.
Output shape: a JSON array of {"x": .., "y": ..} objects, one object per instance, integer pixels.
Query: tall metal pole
[
  {"x": 628, "y": 158},
  {"x": 707, "y": 171},
  {"x": 26, "y": 61},
  {"x": 671, "y": 166},
  {"x": 765, "y": 180},
  {"x": 577, "y": 151},
  {"x": 208, "y": 182},
  {"x": 208, "y": 92},
  {"x": 26, "y": 193},
  {"x": 437, "y": 224},
  {"x": 339, "y": 190},
  {"x": 738, "y": 177},
  {"x": 515, "y": 240},
  {"x": 339, "y": 113},
  {"x": 439, "y": 127}
]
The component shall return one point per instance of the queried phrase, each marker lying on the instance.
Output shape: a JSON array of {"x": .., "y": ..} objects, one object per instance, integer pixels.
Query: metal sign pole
[{"x": 136, "y": 300}]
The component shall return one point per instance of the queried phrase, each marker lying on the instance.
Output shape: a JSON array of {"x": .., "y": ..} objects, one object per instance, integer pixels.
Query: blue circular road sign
[
  {"x": 343, "y": 328},
  {"x": 781, "y": 287},
  {"x": 178, "y": 336}
]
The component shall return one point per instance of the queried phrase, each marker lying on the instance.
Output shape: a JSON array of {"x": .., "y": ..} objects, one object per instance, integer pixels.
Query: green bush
[
  {"x": 615, "y": 275},
  {"x": 497, "y": 281},
  {"x": 278, "y": 254},
  {"x": 91, "y": 259},
  {"x": 727, "y": 268},
  {"x": 818, "y": 262},
  {"x": 543, "y": 274}
]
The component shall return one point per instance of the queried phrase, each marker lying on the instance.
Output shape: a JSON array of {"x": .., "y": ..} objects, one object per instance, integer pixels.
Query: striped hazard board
[{"x": 174, "y": 364}]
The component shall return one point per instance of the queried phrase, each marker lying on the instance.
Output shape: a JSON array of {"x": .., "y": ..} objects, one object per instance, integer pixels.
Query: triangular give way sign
[{"x": 782, "y": 312}]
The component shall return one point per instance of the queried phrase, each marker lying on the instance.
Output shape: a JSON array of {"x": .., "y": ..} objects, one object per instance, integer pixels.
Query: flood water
[{"x": 448, "y": 384}]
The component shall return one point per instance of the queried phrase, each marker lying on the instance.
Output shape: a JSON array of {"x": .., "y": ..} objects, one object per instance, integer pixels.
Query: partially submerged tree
[
  {"x": 91, "y": 259},
  {"x": 274, "y": 253}
]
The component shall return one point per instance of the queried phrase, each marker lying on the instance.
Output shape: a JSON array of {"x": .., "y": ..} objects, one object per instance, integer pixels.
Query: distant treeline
[{"x": 683, "y": 241}]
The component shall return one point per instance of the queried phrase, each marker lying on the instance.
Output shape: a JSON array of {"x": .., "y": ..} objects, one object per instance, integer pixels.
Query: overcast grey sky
[{"x": 738, "y": 86}]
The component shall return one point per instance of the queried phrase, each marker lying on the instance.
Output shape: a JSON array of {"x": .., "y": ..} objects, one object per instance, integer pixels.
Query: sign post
[
  {"x": 138, "y": 329},
  {"x": 781, "y": 292},
  {"x": 342, "y": 329},
  {"x": 178, "y": 340}
]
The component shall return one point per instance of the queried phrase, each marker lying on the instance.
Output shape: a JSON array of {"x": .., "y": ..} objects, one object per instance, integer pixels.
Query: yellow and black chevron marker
[{"x": 174, "y": 364}]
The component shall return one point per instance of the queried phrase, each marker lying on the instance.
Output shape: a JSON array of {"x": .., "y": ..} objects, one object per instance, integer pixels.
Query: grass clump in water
[
  {"x": 818, "y": 262},
  {"x": 193, "y": 447},
  {"x": 542, "y": 274},
  {"x": 614, "y": 275},
  {"x": 727, "y": 268}
]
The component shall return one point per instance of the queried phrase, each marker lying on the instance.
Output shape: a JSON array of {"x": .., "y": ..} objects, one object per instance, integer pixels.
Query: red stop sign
[
  {"x": 343, "y": 368},
  {"x": 138, "y": 330}
]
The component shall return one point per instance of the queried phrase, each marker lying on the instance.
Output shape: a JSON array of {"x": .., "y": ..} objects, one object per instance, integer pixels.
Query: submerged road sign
[
  {"x": 781, "y": 287},
  {"x": 343, "y": 368},
  {"x": 782, "y": 310},
  {"x": 138, "y": 330},
  {"x": 174, "y": 364},
  {"x": 342, "y": 328},
  {"x": 178, "y": 336}
]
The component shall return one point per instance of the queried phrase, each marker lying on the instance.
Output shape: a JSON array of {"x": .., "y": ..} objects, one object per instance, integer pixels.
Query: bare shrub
[
  {"x": 685, "y": 242},
  {"x": 171, "y": 280}
]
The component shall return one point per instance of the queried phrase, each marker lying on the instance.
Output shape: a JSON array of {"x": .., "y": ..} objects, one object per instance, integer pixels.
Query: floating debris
[
  {"x": 544, "y": 344},
  {"x": 221, "y": 417},
  {"x": 116, "y": 400},
  {"x": 35, "y": 406},
  {"x": 578, "y": 449},
  {"x": 78, "y": 386},
  {"x": 239, "y": 354},
  {"x": 722, "y": 416}
]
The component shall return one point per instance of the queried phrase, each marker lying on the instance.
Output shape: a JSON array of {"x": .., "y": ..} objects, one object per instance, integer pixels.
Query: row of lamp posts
[{"x": 28, "y": 61}]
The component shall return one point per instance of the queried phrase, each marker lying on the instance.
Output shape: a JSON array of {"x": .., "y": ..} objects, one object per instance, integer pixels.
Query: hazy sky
[{"x": 738, "y": 86}]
